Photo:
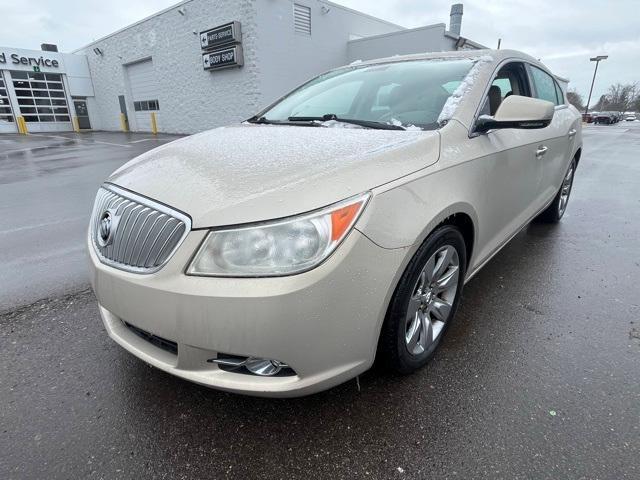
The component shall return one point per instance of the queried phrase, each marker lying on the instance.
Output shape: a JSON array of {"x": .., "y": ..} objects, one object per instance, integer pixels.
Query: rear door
[{"x": 557, "y": 136}]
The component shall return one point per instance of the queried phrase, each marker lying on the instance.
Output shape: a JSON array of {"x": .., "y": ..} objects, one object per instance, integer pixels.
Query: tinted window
[{"x": 545, "y": 85}]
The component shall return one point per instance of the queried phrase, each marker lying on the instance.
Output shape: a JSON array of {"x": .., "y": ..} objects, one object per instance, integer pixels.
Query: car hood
[{"x": 250, "y": 173}]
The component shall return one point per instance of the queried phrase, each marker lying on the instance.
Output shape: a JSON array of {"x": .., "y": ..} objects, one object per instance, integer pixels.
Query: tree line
[{"x": 619, "y": 98}]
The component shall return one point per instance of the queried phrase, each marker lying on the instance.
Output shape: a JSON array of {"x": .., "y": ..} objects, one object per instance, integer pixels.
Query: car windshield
[{"x": 398, "y": 94}]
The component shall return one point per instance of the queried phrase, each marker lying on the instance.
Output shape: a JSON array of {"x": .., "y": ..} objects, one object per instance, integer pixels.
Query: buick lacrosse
[{"x": 283, "y": 255}]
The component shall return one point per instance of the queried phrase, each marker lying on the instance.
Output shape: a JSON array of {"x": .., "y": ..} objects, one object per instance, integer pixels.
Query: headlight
[{"x": 281, "y": 247}]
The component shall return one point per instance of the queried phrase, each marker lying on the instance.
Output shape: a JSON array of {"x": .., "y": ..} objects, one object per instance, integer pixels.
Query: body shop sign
[{"x": 223, "y": 58}]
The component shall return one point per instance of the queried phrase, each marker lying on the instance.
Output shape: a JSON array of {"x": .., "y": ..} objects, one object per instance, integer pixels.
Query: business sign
[
  {"x": 223, "y": 58},
  {"x": 17, "y": 59},
  {"x": 222, "y": 35}
]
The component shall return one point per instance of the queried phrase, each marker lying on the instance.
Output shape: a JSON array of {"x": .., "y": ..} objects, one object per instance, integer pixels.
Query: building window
[
  {"x": 6, "y": 116},
  {"x": 302, "y": 19},
  {"x": 41, "y": 96},
  {"x": 146, "y": 105}
]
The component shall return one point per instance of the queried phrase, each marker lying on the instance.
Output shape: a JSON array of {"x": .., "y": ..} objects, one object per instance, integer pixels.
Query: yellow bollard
[
  {"x": 22, "y": 125},
  {"x": 76, "y": 126},
  {"x": 123, "y": 123},
  {"x": 154, "y": 123}
]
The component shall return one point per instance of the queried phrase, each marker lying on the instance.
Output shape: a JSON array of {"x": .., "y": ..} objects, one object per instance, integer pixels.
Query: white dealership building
[{"x": 199, "y": 64}]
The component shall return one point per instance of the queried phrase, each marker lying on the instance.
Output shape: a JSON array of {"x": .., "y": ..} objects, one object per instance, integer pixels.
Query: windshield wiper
[
  {"x": 256, "y": 119},
  {"x": 265, "y": 121},
  {"x": 363, "y": 123}
]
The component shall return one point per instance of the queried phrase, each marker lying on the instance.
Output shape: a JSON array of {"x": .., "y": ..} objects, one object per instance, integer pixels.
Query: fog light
[
  {"x": 264, "y": 367},
  {"x": 252, "y": 366}
]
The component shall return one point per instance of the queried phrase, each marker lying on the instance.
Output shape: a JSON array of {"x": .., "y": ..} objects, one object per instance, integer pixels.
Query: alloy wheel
[
  {"x": 565, "y": 191},
  {"x": 432, "y": 300}
]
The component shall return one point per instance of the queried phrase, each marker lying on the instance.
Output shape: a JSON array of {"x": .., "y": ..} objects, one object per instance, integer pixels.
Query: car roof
[{"x": 496, "y": 57}]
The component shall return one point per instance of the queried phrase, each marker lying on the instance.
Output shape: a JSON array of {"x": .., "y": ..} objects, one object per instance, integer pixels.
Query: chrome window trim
[{"x": 145, "y": 202}]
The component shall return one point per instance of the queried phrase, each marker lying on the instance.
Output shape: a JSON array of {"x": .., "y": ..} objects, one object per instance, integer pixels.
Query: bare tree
[
  {"x": 619, "y": 97},
  {"x": 601, "y": 104},
  {"x": 575, "y": 99}
]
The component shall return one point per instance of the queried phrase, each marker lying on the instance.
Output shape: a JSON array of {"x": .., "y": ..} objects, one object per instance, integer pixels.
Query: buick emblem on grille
[{"x": 107, "y": 227}]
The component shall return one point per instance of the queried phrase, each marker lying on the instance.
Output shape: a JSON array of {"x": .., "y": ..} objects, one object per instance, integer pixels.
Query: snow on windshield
[{"x": 454, "y": 100}]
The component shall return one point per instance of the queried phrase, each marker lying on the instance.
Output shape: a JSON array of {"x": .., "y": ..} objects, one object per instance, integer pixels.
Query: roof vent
[
  {"x": 48, "y": 47},
  {"x": 302, "y": 19},
  {"x": 455, "y": 18}
]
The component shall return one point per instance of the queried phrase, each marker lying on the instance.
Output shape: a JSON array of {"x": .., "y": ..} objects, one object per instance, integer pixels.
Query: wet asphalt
[
  {"x": 538, "y": 378},
  {"x": 47, "y": 186}
]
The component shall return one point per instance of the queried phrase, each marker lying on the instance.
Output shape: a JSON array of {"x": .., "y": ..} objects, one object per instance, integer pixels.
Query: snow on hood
[{"x": 249, "y": 173}]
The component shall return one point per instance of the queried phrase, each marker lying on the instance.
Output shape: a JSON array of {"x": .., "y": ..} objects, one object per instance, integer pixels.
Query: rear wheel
[
  {"x": 425, "y": 302},
  {"x": 556, "y": 209}
]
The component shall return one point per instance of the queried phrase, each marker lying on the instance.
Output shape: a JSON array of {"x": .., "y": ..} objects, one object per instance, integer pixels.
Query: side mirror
[{"x": 516, "y": 111}]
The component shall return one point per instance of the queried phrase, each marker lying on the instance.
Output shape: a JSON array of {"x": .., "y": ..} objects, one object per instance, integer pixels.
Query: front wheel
[
  {"x": 425, "y": 302},
  {"x": 554, "y": 212}
]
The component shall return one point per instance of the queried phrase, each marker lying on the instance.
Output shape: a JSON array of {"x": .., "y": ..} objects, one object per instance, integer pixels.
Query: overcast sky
[{"x": 563, "y": 34}]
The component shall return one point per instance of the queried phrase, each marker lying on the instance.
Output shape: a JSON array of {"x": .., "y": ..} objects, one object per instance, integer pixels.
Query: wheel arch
[
  {"x": 460, "y": 215},
  {"x": 577, "y": 155}
]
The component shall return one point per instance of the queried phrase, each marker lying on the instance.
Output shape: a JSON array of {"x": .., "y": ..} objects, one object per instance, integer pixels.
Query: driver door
[{"x": 514, "y": 172}]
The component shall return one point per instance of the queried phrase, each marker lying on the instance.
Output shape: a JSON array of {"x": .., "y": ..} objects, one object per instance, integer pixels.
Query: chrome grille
[{"x": 145, "y": 234}]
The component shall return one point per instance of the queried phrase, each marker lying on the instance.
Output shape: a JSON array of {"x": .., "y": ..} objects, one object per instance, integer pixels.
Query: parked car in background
[
  {"x": 587, "y": 117},
  {"x": 281, "y": 256},
  {"x": 630, "y": 117},
  {"x": 605, "y": 118}
]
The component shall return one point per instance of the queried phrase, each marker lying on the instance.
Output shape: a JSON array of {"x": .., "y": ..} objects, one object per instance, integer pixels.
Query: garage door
[
  {"x": 42, "y": 101},
  {"x": 144, "y": 92},
  {"x": 7, "y": 121}
]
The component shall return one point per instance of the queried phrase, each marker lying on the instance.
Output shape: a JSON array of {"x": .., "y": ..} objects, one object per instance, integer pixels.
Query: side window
[
  {"x": 560, "y": 95},
  {"x": 545, "y": 85},
  {"x": 505, "y": 86},
  {"x": 510, "y": 80}
]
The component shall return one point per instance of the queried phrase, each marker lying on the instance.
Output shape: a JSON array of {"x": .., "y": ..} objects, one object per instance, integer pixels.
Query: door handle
[
  {"x": 541, "y": 151},
  {"x": 572, "y": 132}
]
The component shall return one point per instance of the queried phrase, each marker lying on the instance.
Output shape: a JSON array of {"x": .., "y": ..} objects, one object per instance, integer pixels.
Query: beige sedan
[{"x": 282, "y": 256}]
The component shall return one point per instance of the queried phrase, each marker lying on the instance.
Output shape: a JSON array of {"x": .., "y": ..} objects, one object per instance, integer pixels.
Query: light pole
[{"x": 597, "y": 60}]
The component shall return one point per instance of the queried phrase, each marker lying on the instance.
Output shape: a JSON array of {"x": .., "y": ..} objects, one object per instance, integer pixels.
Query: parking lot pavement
[
  {"x": 537, "y": 378},
  {"x": 47, "y": 187}
]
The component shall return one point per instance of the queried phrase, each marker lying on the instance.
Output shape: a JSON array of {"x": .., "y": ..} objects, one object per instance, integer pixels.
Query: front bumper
[{"x": 323, "y": 323}]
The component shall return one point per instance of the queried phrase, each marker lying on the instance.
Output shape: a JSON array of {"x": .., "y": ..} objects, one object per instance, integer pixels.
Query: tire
[
  {"x": 555, "y": 211},
  {"x": 399, "y": 349}
]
